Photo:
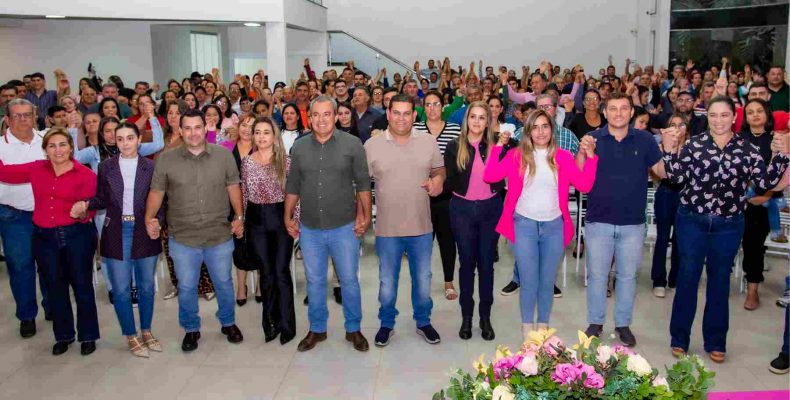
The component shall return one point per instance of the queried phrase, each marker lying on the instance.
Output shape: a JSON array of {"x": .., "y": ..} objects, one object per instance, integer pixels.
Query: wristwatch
[{"x": 239, "y": 217}]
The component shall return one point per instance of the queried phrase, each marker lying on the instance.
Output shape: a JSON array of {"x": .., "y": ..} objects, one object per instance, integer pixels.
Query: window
[{"x": 205, "y": 51}]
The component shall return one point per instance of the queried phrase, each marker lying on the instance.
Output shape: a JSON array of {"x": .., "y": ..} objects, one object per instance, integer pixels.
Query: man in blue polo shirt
[{"x": 616, "y": 214}]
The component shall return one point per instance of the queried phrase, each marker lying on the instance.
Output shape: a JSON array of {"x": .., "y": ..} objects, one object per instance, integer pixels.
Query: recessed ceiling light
[
  {"x": 55, "y": 16},
  {"x": 252, "y": 24}
]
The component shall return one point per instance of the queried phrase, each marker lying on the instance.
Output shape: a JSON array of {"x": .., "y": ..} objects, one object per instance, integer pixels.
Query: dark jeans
[
  {"x": 65, "y": 256},
  {"x": 666, "y": 207},
  {"x": 473, "y": 224},
  {"x": 16, "y": 230},
  {"x": 710, "y": 241},
  {"x": 786, "y": 334},
  {"x": 270, "y": 243},
  {"x": 756, "y": 230},
  {"x": 440, "y": 217}
]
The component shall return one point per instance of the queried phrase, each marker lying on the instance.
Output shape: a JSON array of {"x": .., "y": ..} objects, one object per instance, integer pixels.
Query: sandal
[
  {"x": 137, "y": 348},
  {"x": 450, "y": 294},
  {"x": 677, "y": 352},
  {"x": 150, "y": 341},
  {"x": 717, "y": 356}
]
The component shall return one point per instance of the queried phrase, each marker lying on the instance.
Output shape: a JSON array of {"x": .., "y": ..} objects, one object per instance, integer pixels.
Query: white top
[
  {"x": 288, "y": 139},
  {"x": 539, "y": 199},
  {"x": 14, "y": 151},
  {"x": 129, "y": 173}
]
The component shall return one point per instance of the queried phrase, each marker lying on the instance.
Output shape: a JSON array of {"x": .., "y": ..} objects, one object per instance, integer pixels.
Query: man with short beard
[
  {"x": 684, "y": 104},
  {"x": 780, "y": 92}
]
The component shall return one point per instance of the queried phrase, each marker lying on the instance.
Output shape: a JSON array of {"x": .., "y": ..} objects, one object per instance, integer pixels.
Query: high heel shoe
[
  {"x": 488, "y": 330},
  {"x": 259, "y": 298},
  {"x": 465, "y": 332},
  {"x": 242, "y": 301}
]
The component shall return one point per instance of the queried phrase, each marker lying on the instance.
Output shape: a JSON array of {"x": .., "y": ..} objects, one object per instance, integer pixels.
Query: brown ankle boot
[{"x": 752, "y": 297}]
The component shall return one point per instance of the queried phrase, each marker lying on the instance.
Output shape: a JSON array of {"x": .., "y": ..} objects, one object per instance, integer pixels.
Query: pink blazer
[{"x": 567, "y": 171}]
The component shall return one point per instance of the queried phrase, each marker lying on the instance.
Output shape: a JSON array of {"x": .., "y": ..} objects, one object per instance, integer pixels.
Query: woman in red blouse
[
  {"x": 263, "y": 175},
  {"x": 63, "y": 243}
]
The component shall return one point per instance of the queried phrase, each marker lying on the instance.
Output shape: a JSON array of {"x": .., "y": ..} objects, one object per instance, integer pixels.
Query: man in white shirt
[{"x": 21, "y": 144}]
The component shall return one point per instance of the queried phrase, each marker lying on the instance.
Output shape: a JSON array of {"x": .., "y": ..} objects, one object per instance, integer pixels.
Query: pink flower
[
  {"x": 553, "y": 346},
  {"x": 504, "y": 366},
  {"x": 622, "y": 350},
  {"x": 565, "y": 374},
  {"x": 584, "y": 368},
  {"x": 594, "y": 381}
]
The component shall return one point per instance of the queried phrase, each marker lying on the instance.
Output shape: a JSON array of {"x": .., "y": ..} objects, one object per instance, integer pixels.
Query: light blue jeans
[
  {"x": 624, "y": 243},
  {"x": 120, "y": 273},
  {"x": 219, "y": 262},
  {"x": 538, "y": 250},
  {"x": 343, "y": 246},
  {"x": 390, "y": 251}
]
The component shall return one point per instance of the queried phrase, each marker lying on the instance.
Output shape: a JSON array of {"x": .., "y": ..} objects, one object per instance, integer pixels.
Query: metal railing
[{"x": 343, "y": 46}]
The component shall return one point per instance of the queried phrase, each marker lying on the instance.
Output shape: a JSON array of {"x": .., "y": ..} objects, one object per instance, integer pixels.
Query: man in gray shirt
[
  {"x": 198, "y": 178},
  {"x": 327, "y": 167}
]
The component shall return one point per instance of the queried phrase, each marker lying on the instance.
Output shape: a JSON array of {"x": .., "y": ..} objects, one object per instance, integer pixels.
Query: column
[{"x": 276, "y": 53}]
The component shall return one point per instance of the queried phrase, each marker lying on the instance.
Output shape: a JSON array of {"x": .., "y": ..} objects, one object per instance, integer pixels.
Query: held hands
[
  {"x": 781, "y": 143},
  {"x": 431, "y": 187},
  {"x": 292, "y": 226},
  {"x": 153, "y": 228},
  {"x": 670, "y": 140},
  {"x": 237, "y": 228},
  {"x": 361, "y": 225},
  {"x": 587, "y": 146},
  {"x": 79, "y": 210}
]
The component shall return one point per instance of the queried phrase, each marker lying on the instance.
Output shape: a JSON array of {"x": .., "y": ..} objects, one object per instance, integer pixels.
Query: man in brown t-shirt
[{"x": 408, "y": 168}]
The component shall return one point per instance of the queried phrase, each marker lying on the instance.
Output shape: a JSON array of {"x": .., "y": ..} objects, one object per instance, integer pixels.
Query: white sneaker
[{"x": 660, "y": 292}]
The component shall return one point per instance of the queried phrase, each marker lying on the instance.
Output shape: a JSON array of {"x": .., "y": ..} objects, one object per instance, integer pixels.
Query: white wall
[
  {"x": 115, "y": 47},
  {"x": 172, "y": 54},
  {"x": 227, "y": 10},
  {"x": 500, "y": 31}
]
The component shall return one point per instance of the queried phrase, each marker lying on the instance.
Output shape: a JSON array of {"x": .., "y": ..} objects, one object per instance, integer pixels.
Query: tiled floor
[{"x": 408, "y": 368}]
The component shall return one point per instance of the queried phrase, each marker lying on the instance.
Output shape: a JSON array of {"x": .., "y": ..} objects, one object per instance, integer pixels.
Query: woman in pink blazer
[{"x": 535, "y": 217}]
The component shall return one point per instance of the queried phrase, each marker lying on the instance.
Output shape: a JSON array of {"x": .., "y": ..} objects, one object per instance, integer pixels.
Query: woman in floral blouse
[
  {"x": 263, "y": 175},
  {"x": 716, "y": 167}
]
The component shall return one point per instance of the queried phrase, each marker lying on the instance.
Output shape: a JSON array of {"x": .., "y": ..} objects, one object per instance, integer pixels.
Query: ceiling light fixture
[
  {"x": 252, "y": 24},
  {"x": 55, "y": 16}
]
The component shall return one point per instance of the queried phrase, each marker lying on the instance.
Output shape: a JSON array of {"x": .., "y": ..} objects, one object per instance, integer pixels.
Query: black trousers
[
  {"x": 440, "y": 217},
  {"x": 754, "y": 235},
  {"x": 269, "y": 242}
]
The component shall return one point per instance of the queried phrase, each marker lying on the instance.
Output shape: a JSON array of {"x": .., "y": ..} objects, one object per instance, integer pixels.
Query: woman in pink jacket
[{"x": 535, "y": 217}]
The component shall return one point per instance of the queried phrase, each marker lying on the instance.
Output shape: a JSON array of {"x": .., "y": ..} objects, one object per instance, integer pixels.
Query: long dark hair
[
  {"x": 351, "y": 129},
  {"x": 107, "y": 100},
  {"x": 769, "y": 116},
  {"x": 107, "y": 150},
  {"x": 219, "y": 112},
  {"x": 299, "y": 126},
  {"x": 230, "y": 112}
]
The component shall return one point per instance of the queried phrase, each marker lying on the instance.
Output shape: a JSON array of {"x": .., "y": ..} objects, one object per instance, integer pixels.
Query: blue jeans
[
  {"x": 65, "y": 257},
  {"x": 16, "y": 231},
  {"x": 218, "y": 260},
  {"x": 120, "y": 272},
  {"x": 390, "y": 251},
  {"x": 625, "y": 243},
  {"x": 666, "y": 207},
  {"x": 712, "y": 242},
  {"x": 538, "y": 250},
  {"x": 774, "y": 205},
  {"x": 343, "y": 246},
  {"x": 474, "y": 230}
]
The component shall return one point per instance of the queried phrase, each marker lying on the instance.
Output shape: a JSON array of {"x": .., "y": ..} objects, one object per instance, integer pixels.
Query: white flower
[
  {"x": 572, "y": 352},
  {"x": 604, "y": 354},
  {"x": 502, "y": 392},
  {"x": 638, "y": 365},
  {"x": 660, "y": 381},
  {"x": 528, "y": 365}
]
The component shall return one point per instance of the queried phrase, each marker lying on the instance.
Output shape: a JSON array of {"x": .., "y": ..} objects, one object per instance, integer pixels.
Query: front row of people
[{"x": 322, "y": 195}]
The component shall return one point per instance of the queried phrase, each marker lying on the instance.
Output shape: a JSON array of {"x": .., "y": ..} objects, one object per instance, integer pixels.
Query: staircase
[{"x": 343, "y": 46}]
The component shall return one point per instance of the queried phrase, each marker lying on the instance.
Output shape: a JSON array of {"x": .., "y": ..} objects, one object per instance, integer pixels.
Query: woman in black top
[
  {"x": 241, "y": 260},
  {"x": 667, "y": 199},
  {"x": 716, "y": 169},
  {"x": 345, "y": 118},
  {"x": 444, "y": 133},
  {"x": 591, "y": 119},
  {"x": 758, "y": 130}
]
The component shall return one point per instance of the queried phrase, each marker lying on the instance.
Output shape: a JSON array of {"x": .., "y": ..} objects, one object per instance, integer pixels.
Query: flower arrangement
[{"x": 545, "y": 369}]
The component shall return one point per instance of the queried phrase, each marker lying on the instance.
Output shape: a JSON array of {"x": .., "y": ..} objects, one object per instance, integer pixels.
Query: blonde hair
[
  {"x": 279, "y": 157},
  {"x": 463, "y": 139},
  {"x": 527, "y": 148}
]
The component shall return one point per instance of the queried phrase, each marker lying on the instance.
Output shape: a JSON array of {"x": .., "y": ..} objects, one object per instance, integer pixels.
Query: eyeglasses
[
  {"x": 546, "y": 107},
  {"x": 681, "y": 125},
  {"x": 591, "y": 99},
  {"x": 21, "y": 116},
  {"x": 434, "y": 104}
]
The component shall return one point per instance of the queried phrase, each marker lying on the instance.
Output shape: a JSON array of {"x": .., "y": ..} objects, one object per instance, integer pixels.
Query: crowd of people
[{"x": 211, "y": 175}]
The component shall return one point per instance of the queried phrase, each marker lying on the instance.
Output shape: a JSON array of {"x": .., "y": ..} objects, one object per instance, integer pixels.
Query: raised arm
[{"x": 158, "y": 142}]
